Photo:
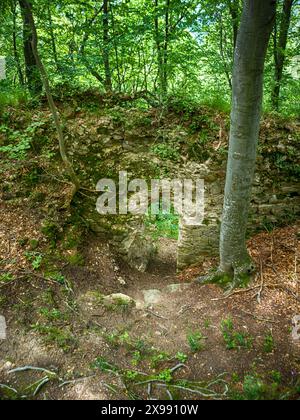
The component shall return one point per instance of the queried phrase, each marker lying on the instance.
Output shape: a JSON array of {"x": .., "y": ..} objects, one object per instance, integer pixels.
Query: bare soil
[{"x": 130, "y": 337}]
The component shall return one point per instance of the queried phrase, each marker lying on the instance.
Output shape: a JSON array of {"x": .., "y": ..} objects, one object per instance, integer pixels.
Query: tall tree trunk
[
  {"x": 166, "y": 48},
  {"x": 160, "y": 51},
  {"x": 280, "y": 45},
  {"x": 52, "y": 36},
  {"x": 252, "y": 43},
  {"x": 32, "y": 72},
  {"x": 15, "y": 44},
  {"x": 227, "y": 68},
  {"x": 56, "y": 117},
  {"x": 234, "y": 6},
  {"x": 106, "y": 46},
  {"x": 256, "y": 26}
]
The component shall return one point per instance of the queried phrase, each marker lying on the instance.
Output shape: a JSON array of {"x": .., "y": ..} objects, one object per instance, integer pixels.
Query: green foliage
[
  {"x": 269, "y": 343},
  {"x": 19, "y": 142},
  {"x": 253, "y": 388},
  {"x": 12, "y": 97},
  {"x": 181, "y": 357},
  {"x": 52, "y": 232},
  {"x": 35, "y": 258},
  {"x": 6, "y": 277},
  {"x": 235, "y": 340},
  {"x": 196, "y": 341},
  {"x": 166, "y": 151},
  {"x": 52, "y": 315},
  {"x": 58, "y": 277},
  {"x": 102, "y": 364},
  {"x": 76, "y": 259},
  {"x": 163, "y": 225},
  {"x": 61, "y": 337},
  {"x": 159, "y": 358}
]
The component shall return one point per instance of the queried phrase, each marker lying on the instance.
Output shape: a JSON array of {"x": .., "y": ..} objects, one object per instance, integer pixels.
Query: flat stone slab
[
  {"x": 173, "y": 288},
  {"x": 152, "y": 297},
  {"x": 2, "y": 328},
  {"x": 118, "y": 299}
]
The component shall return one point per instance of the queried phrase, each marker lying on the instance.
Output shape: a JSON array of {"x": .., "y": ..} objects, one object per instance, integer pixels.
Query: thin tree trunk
[
  {"x": 32, "y": 72},
  {"x": 280, "y": 50},
  {"x": 116, "y": 51},
  {"x": 160, "y": 61},
  {"x": 108, "y": 80},
  {"x": 252, "y": 43},
  {"x": 227, "y": 72},
  {"x": 234, "y": 12},
  {"x": 166, "y": 47},
  {"x": 90, "y": 68},
  {"x": 15, "y": 44},
  {"x": 56, "y": 117},
  {"x": 52, "y": 36}
]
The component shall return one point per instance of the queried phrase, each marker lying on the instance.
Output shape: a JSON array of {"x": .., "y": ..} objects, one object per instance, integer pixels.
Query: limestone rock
[
  {"x": 138, "y": 250},
  {"x": 152, "y": 297},
  {"x": 118, "y": 299}
]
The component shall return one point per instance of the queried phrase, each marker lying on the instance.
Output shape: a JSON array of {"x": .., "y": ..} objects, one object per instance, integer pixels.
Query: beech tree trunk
[
  {"x": 280, "y": 45},
  {"x": 256, "y": 26},
  {"x": 108, "y": 80},
  {"x": 33, "y": 76}
]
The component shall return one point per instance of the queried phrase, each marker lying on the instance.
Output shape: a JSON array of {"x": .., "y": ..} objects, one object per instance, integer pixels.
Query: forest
[{"x": 149, "y": 201}]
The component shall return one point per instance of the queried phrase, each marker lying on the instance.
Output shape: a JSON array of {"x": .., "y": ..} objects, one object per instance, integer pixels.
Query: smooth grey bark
[{"x": 252, "y": 42}]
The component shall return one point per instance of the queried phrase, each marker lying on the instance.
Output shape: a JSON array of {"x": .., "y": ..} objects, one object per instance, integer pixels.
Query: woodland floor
[
  {"x": 180, "y": 340},
  {"x": 104, "y": 352}
]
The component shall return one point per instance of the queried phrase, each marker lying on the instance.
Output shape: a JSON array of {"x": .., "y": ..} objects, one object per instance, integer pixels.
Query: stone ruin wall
[
  {"x": 275, "y": 198},
  {"x": 272, "y": 202}
]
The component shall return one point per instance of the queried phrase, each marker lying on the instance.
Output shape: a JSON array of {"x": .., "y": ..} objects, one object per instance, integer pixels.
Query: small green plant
[
  {"x": 207, "y": 324},
  {"x": 159, "y": 358},
  {"x": 235, "y": 378},
  {"x": 58, "y": 278},
  {"x": 181, "y": 357},
  {"x": 125, "y": 338},
  {"x": 167, "y": 151},
  {"x": 6, "y": 278},
  {"x": 131, "y": 375},
  {"x": 102, "y": 364},
  {"x": 269, "y": 343},
  {"x": 35, "y": 258},
  {"x": 163, "y": 225},
  {"x": 62, "y": 337},
  {"x": 20, "y": 142},
  {"x": 52, "y": 232},
  {"x": 33, "y": 244},
  {"x": 235, "y": 340},
  {"x": 165, "y": 376},
  {"x": 52, "y": 315},
  {"x": 17, "y": 151},
  {"x": 136, "y": 358},
  {"x": 276, "y": 377},
  {"x": 195, "y": 340},
  {"x": 253, "y": 388},
  {"x": 76, "y": 259}
]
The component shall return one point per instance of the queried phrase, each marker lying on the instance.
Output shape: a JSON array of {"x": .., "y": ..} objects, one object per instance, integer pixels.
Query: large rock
[
  {"x": 118, "y": 299},
  {"x": 138, "y": 250}
]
